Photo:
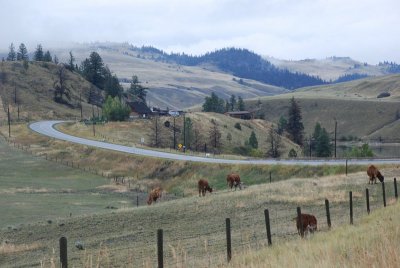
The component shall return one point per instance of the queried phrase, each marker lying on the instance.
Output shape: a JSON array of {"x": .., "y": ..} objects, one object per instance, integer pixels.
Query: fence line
[{"x": 198, "y": 247}]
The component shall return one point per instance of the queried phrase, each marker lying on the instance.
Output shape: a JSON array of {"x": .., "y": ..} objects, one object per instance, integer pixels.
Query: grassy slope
[
  {"x": 194, "y": 227},
  {"x": 170, "y": 85},
  {"x": 35, "y": 92},
  {"x": 354, "y": 105},
  {"x": 329, "y": 68},
  {"x": 130, "y": 133}
]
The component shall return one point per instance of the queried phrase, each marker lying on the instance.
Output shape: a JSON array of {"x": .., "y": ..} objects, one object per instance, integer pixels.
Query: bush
[
  {"x": 114, "y": 110},
  {"x": 292, "y": 153},
  {"x": 363, "y": 151},
  {"x": 238, "y": 126},
  {"x": 383, "y": 95}
]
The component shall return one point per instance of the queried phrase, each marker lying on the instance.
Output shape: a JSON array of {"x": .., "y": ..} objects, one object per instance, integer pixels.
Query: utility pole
[
  {"x": 9, "y": 123},
  {"x": 310, "y": 146},
  {"x": 80, "y": 100},
  {"x": 184, "y": 133},
  {"x": 15, "y": 94},
  {"x": 335, "y": 135},
  {"x": 93, "y": 121},
  {"x": 174, "y": 135},
  {"x": 18, "y": 111}
]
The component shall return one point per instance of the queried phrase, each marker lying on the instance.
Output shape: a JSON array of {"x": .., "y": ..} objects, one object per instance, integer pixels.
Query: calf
[
  {"x": 233, "y": 179},
  {"x": 154, "y": 195},
  {"x": 374, "y": 173},
  {"x": 309, "y": 223},
  {"x": 204, "y": 187}
]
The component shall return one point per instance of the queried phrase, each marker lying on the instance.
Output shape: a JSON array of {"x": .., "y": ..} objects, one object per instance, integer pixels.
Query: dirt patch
[{"x": 9, "y": 248}]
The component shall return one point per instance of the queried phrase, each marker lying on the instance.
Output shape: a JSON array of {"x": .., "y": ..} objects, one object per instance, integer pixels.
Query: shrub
[
  {"x": 238, "y": 126},
  {"x": 292, "y": 153},
  {"x": 383, "y": 95}
]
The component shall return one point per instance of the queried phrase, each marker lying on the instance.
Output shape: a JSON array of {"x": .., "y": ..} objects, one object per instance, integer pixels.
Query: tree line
[{"x": 219, "y": 105}]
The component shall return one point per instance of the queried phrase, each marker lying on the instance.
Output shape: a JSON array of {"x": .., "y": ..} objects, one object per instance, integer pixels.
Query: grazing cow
[
  {"x": 374, "y": 173},
  {"x": 233, "y": 179},
  {"x": 204, "y": 187},
  {"x": 154, "y": 195},
  {"x": 309, "y": 223}
]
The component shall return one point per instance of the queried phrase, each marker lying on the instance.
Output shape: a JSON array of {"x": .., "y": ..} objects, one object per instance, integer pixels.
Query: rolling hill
[{"x": 355, "y": 105}]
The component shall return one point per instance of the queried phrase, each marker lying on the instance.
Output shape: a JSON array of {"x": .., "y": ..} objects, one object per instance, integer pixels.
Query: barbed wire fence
[{"x": 199, "y": 247}]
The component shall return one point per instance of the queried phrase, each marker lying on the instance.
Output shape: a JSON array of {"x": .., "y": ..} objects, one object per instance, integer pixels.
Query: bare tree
[
  {"x": 60, "y": 87},
  {"x": 198, "y": 139},
  {"x": 156, "y": 132},
  {"x": 274, "y": 142},
  {"x": 215, "y": 135}
]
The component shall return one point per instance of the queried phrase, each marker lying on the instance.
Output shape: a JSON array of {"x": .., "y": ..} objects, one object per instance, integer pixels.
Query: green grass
[{"x": 33, "y": 189}]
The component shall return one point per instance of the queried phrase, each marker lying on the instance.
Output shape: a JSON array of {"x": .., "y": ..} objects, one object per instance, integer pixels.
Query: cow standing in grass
[
  {"x": 204, "y": 187},
  {"x": 154, "y": 195},
  {"x": 308, "y": 221},
  {"x": 374, "y": 173},
  {"x": 233, "y": 179}
]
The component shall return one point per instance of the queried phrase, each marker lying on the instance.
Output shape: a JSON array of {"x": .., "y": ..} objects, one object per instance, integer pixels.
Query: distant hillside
[
  {"x": 33, "y": 91},
  {"x": 355, "y": 105},
  {"x": 246, "y": 64},
  {"x": 333, "y": 68},
  {"x": 170, "y": 84}
]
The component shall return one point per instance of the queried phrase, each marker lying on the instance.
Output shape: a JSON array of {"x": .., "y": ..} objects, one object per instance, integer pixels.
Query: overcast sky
[{"x": 366, "y": 30}]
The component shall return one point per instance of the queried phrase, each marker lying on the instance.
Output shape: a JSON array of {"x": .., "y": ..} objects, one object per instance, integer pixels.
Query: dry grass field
[
  {"x": 354, "y": 105},
  {"x": 35, "y": 92},
  {"x": 194, "y": 229},
  {"x": 130, "y": 133}
]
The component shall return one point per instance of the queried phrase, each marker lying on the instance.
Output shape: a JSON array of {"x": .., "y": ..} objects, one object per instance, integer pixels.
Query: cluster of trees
[
  {"x": 391, "y": 67},
  {"x": 22, "y": 54},
  {"x": 350, "y": 77},
  {"x": 219, "y": 105},
  {"x": 115, "y": 110},
  {"x": 243, "y": 63}
]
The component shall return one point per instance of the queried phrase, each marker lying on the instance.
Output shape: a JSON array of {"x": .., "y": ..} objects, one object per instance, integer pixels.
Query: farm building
[
  {"x": 240, "y": 114},
  {"x": 138, "y": 109}
]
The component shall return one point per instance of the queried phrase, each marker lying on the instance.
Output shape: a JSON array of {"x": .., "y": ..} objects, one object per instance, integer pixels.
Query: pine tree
[
  {"x": 22, "y": 53},
  {"x": 240, "y": 104},
  {"x": 47, "y": 56},
  {"x": 295, "y": 126},
  {"x": 253, "y": 140},
  {"x": 188, "y": 133},
  {"x": 282, "y": 124},
  {"x": 274, "y": 142},
  {"x": 12, "y": 56},
  {"x": 321, "y": 145},
  {"x": 71, "y": 62},
  {"x": 233, "y": 102},
  {"x": 38, "y": 55},
  {"x": 60, "y": 86},
  {"x": 214, "y": 104},
  {"x": 112, "y": 86},
  {"x": 136, "y": 90}
]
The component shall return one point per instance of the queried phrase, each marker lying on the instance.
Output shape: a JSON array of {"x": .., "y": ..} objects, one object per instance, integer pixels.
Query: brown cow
[
  {"x": 309, "y": 223},
  {"x": 233, "y": 179},
  {"x": 204, "y": 187},
  {"x": 374, "y": 173},
  {"x": 154, "y": 195}
]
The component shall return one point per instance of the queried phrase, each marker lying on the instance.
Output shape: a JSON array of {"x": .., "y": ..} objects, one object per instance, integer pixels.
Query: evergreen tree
[
  {"x": 22, "y": 53},
  {"x": 253, "y": 140},
  {"x": 71, "y": 61},
  {"x": 47, "y": 56},
  {"x": 92, "y": 69},
  {"x": 112, "y": 86},
  {"x": 198, "y": 139},
  {"x": 12, "y": 56},
  {"x": 240, "y": 104},
  {"x": 38, "y": 54},
  {"x": 214, "y": 104},
  {"x": 233, "y": 102},
  {"x": 282, "y": 124},
  {"x": 136, "y": 90},
  {"x": 322, "y": 146},
  {"x": 295, "y": 126},
  {"x": 55, "y": 60}
]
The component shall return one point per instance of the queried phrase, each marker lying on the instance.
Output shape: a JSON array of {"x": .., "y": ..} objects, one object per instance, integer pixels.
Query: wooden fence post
[
  {"x": 384, "y": 194},
  {"x": 346, "y": 166},
  {"x": 270, "y": 177},
  {"x": 395, "y": 189},
  {"x": 160, "y": 252},
  {"x": 367, "y": 197},
  {"x": 268, "y": 226},
  {"x": 228, "y": 239},
  {"x": 300, "y": 221},
  {"x": 328, "y": 214},
  {"x": 351, "y": 206},
  {"x": 137, "y": 200},
  {"x": 63, "y": 252}
]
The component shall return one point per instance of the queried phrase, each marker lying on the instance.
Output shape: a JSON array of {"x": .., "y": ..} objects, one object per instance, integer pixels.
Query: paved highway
[{"x": 47, "y": 128}]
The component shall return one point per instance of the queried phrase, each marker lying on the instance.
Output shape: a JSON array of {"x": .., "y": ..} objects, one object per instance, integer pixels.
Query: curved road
[{"x": 47, "y": 128}]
